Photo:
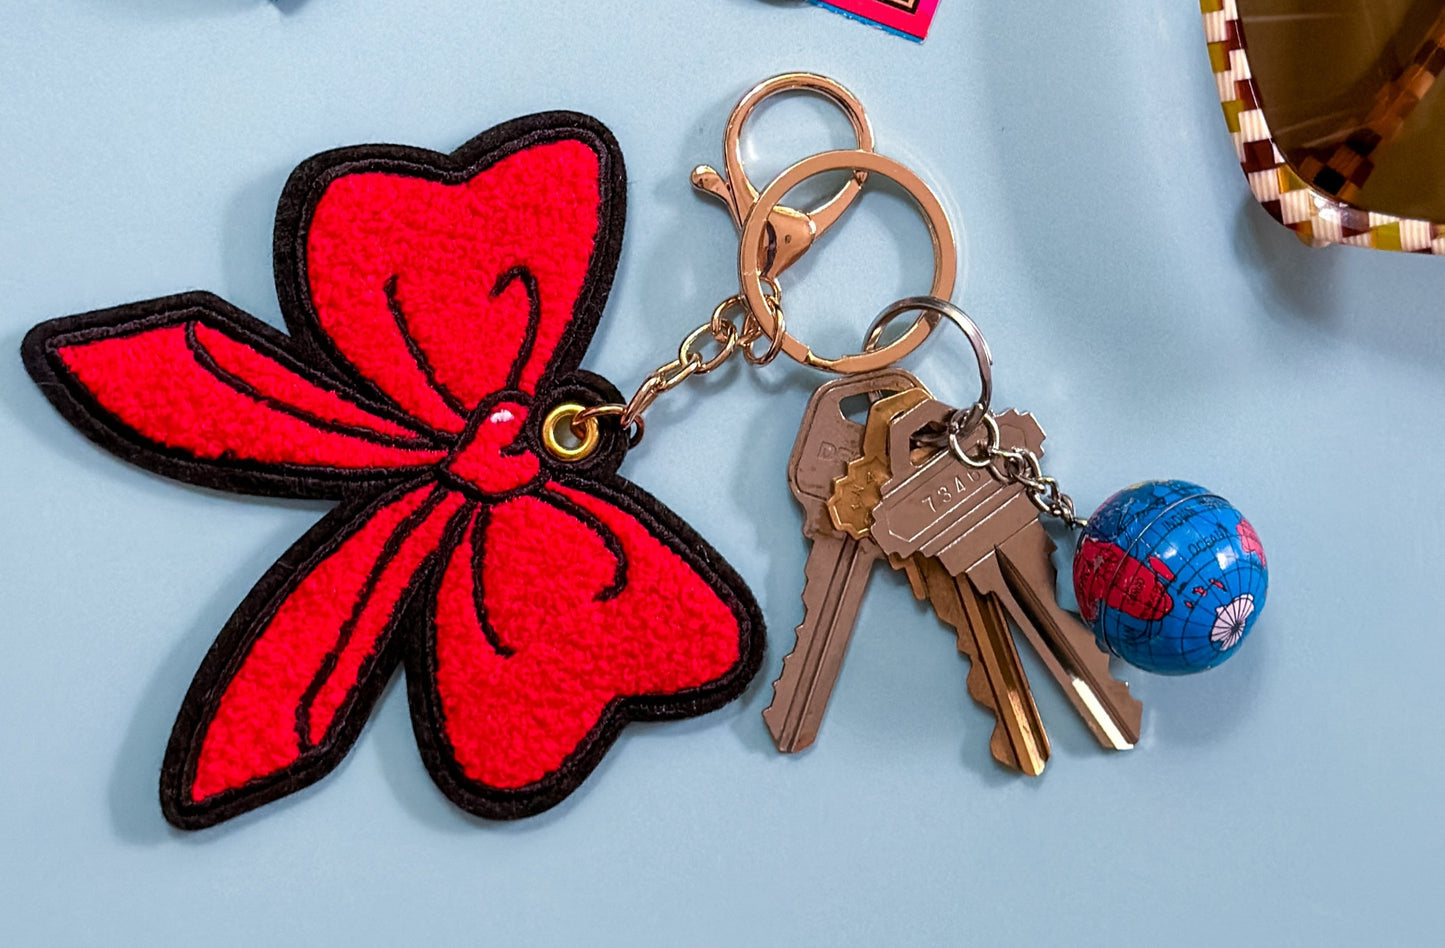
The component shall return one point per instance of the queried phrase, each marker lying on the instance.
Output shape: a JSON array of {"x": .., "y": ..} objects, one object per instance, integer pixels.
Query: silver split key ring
[{"x": 964, "y": 421}]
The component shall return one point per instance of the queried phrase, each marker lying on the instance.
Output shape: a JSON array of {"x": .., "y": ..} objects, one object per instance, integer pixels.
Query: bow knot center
[{"x": 489, "y": 459}]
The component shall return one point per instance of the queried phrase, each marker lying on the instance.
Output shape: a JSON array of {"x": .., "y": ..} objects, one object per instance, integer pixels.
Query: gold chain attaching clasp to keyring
[
  {"x": 772, "y": 238},
  {"x": 725, "y": 329}
]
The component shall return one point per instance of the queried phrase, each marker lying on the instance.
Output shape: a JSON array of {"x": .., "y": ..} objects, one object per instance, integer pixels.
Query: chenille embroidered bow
[{"x": 438, "y": 305}]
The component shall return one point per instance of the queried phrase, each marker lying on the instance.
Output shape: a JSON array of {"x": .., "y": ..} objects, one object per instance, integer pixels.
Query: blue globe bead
[{"x": 1170, "y": 577}]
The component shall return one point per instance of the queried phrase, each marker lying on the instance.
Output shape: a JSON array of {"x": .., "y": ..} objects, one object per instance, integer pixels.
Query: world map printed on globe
[{"x": 1170, "y": 577}]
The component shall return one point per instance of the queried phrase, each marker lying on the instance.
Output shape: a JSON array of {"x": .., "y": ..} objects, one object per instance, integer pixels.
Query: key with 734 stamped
[
  {"x": 996, "y": 678},
  {"x": 987, "y": 532}
]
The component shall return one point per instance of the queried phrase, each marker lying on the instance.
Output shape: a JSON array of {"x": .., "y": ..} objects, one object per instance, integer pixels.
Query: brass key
[
  {"x": 859, "y": 489},
  {"x": 838, "y": 566},
  {"x": 989, "y": 533},
  {"x": 996, "y": 678}
]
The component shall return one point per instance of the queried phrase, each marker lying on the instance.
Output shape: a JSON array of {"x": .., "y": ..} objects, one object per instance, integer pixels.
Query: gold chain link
[{"x": 723, "y": 329}]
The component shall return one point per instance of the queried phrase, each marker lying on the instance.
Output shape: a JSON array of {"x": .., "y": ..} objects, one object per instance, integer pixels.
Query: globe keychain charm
[{"x": 1170, "y": 577}]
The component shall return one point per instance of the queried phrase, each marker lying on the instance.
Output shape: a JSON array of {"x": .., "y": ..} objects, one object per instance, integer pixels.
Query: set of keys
[
  {"x": 1168, "y": 576},
  {"x": 970, "y": 542}
]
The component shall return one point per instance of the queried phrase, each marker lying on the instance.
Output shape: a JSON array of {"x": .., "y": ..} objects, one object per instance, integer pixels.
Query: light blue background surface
[{"x": 1157, "y": 322}]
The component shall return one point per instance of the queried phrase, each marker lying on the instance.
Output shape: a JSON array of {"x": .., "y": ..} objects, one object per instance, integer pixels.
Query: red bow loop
[{"x": 441, "y": 294}]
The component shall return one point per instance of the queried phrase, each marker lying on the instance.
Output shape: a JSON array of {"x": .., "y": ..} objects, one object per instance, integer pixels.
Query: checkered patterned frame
[{"x": 1316, "y": 215}]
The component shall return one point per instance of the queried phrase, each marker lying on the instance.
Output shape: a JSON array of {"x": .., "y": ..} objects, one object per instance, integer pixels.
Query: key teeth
[
  {"x": 788, "y": 737},
  {"x": 775, "y": 715},
  {"x": 976, "y": 683},
  {"x": 787, "y": 722},
  {"x": 953, "y": 613},
  {"x": 999, "y": 745}
]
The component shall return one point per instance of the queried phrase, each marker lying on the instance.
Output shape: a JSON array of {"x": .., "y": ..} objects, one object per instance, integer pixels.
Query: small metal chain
[
  {"x": 1010, "y": 465},
  {"x": 723, "y": 328}
]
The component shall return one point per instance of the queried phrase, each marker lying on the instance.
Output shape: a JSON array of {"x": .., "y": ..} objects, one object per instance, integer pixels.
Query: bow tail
[
  {"x": 560, "y": 615},
  {"x": 284, "y": 692}
]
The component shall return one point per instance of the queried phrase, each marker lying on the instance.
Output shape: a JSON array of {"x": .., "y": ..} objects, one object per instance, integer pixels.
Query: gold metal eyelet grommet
[{"x": 559, "y": 423}]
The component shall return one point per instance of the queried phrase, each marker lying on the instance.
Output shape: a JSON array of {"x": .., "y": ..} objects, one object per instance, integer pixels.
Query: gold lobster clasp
[{"x": 790, "y": 232}]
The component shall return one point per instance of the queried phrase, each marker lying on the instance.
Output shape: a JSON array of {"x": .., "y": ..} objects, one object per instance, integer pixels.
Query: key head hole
[
  {"x": 925, "y": 442},
  {"x": 855, "y": 407}
]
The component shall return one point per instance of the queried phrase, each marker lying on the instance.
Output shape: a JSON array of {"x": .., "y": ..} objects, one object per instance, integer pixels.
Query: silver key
[
  {"x": 838, "y": 567},
  {"x": 989, "y": 532}
]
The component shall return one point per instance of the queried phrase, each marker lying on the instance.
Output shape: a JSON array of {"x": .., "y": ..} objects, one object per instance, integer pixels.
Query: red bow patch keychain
[{"x": 438, "y": 308}]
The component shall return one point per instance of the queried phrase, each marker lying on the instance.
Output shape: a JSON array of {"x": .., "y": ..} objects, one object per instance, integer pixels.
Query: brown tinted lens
[{"x": 1348, "y": 88}]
